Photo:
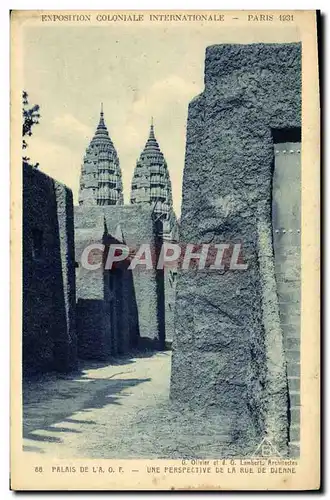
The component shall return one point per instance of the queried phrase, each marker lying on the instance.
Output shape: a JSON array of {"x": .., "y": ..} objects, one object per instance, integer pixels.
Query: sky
[{"x": 137, "y": 71}]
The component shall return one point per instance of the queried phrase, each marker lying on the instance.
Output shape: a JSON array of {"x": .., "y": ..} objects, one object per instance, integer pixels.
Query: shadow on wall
[
  {"x": 109, "y": 325},
  {"x": 63, "y": 396},
  {"x": 121, "y": 303},
  {"x": 92, "y": 339}
]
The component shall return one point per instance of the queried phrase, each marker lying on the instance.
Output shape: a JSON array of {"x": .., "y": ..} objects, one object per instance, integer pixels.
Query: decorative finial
[
  {"x": 152, "y": 121},
  {"x": 101, "y": 108}
]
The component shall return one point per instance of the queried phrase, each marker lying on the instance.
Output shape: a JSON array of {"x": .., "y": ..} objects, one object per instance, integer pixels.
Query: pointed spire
[
  {"x": 101, "y": 156},
  {"x": 101, "y": 132},
  {"x": 152, "y": 145},
  {"x": 151, "y": 183},
  {"x": 101, "y": 128}
]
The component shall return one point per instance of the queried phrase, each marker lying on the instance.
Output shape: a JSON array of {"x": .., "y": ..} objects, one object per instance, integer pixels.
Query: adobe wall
[
  {"x": 116, "y": 310},
  {"x": 138, "y": 228},
  {"x": 93, "y": 313},
  {"x": 49, "y": 334},
  {"x": 228, "y": 348}
]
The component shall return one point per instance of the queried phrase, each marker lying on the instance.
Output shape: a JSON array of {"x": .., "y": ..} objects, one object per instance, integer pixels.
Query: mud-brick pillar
[{"x": 228, "y": 343}]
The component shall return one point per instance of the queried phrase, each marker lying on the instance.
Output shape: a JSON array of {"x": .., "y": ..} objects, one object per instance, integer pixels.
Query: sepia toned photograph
[{"x": 165, "y": 311}]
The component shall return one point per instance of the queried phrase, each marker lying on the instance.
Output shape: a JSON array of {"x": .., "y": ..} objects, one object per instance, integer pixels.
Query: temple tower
[
  {"x": 151, "y": 184},
  {"x": 100, "y": 179}
]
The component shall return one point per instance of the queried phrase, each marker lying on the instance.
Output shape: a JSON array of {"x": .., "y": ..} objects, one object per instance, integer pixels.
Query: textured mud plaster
[
  {"x": 116, "y": 308},
  {"x": 49, "y": 334},
  {"x": 227, "y": 321}
]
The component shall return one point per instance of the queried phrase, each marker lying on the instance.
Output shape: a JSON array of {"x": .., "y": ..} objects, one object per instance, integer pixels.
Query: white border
[{"x": 5, "y": 179}]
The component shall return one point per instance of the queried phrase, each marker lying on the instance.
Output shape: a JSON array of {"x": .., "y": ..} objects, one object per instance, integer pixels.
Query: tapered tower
[
  {"x": 151, "y": 183},
  {"x": 100, "y": 179}
]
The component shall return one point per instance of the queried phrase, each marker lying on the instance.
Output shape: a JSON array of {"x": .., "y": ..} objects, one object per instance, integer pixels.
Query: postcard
[{"x": 165, "y": 250}]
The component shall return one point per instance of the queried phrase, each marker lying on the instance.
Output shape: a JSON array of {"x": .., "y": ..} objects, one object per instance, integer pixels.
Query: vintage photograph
[{"x": 162, "y": 238}]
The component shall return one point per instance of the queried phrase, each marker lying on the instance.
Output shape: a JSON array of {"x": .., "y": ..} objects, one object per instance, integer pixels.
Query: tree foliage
[{"x": 31, "y": 117}]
